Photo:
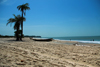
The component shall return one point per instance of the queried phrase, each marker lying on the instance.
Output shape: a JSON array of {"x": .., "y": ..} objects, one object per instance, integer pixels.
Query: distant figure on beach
[{"x": 93, "y": 39}]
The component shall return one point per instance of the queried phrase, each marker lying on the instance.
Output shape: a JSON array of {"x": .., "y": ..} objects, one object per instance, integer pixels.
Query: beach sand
[{"x": 29, "y": 53}]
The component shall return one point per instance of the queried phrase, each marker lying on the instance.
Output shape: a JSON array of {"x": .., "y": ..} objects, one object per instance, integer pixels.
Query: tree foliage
[
  {"x": 23, "y": 8},
  {"x": 17, "y": 20}
]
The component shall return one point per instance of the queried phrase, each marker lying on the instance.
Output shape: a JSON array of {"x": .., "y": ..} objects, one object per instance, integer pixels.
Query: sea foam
[{"x": 96, "y": 42}]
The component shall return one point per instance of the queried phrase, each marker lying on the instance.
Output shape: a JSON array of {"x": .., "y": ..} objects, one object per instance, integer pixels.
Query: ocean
[{"x": 83, "y": 39}]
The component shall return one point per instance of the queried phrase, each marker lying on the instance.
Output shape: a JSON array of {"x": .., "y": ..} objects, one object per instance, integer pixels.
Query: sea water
[{"x": 83, "y": 39}]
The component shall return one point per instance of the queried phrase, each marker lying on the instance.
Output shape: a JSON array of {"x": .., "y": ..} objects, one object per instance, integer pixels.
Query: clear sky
[{"x": 52, "y": 18}]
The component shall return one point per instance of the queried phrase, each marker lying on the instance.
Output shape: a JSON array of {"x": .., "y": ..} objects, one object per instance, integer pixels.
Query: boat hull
[{"x": 50, "y": 39}]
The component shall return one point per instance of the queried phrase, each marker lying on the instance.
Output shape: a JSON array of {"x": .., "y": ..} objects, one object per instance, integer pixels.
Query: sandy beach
[{"x": 29, "y": 53}]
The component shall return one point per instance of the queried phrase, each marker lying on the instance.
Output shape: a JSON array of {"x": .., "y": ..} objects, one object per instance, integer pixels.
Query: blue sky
[{"x": 53, "y": 18}]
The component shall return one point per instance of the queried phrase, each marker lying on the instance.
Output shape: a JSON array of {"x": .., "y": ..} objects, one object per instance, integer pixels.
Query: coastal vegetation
[
  {"x": 23, "y": 8},
  {"x": 5, "y": 36},
  {"x": 10, "y": 36},
  {"x": 19, "y": 34},
  {"x": 18, "y": 20}
]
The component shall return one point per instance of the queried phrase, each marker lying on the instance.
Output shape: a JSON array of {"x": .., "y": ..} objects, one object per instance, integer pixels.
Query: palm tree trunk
[
  {"x": 22, "y": 27},
  {"x": 17, "y": 34}
]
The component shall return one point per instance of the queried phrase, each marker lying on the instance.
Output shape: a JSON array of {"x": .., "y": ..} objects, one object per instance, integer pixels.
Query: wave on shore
[
  {"x": 82, "y": 39},
  {"x": 94, "y": 42}
]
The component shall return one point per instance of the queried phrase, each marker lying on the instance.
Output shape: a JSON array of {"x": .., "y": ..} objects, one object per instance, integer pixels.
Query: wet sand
[{"x": 29, "y": 53}]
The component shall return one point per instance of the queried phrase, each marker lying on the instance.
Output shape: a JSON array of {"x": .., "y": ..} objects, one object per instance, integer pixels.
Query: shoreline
[
  {"x": 82, "y": 41},
  {"x": 29, "y": 53},
  {"x": 77, "y": 43}
]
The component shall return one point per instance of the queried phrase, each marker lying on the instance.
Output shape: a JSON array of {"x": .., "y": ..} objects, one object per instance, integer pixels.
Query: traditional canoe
[{"x": 42, "y": 39}]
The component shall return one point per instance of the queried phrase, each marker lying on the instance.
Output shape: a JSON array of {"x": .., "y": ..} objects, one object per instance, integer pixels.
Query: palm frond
[
  {"x": 17, "y": 19},
  {"x": 26, "y": 4},
  {"x": 18, "y": 7},
  {"x": 23, "y": 7},
  {"x": 11, "y": 20}
]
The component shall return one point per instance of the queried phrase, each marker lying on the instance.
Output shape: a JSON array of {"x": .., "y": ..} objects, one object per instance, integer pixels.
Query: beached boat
[{"x": 42, "y": 39}]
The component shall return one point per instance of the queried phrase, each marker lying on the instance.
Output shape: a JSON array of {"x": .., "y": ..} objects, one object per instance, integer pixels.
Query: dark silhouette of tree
[
  {"x": 23, "y": 8},
  {"x": 19, "y": 33},
  {"x": 17, "y": 19}
]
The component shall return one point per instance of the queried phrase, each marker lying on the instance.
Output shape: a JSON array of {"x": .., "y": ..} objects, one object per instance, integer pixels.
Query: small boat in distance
[{"x": 42, "y": 39}]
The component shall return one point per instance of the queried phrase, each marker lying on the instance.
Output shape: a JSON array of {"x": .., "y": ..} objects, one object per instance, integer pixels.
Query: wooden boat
[{"x": 42, "y": 39}]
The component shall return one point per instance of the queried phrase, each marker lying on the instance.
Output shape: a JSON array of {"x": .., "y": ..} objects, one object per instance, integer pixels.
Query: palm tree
[
  {"x": 23, "y": 8},
  {"x": 17, "y": 19}
]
